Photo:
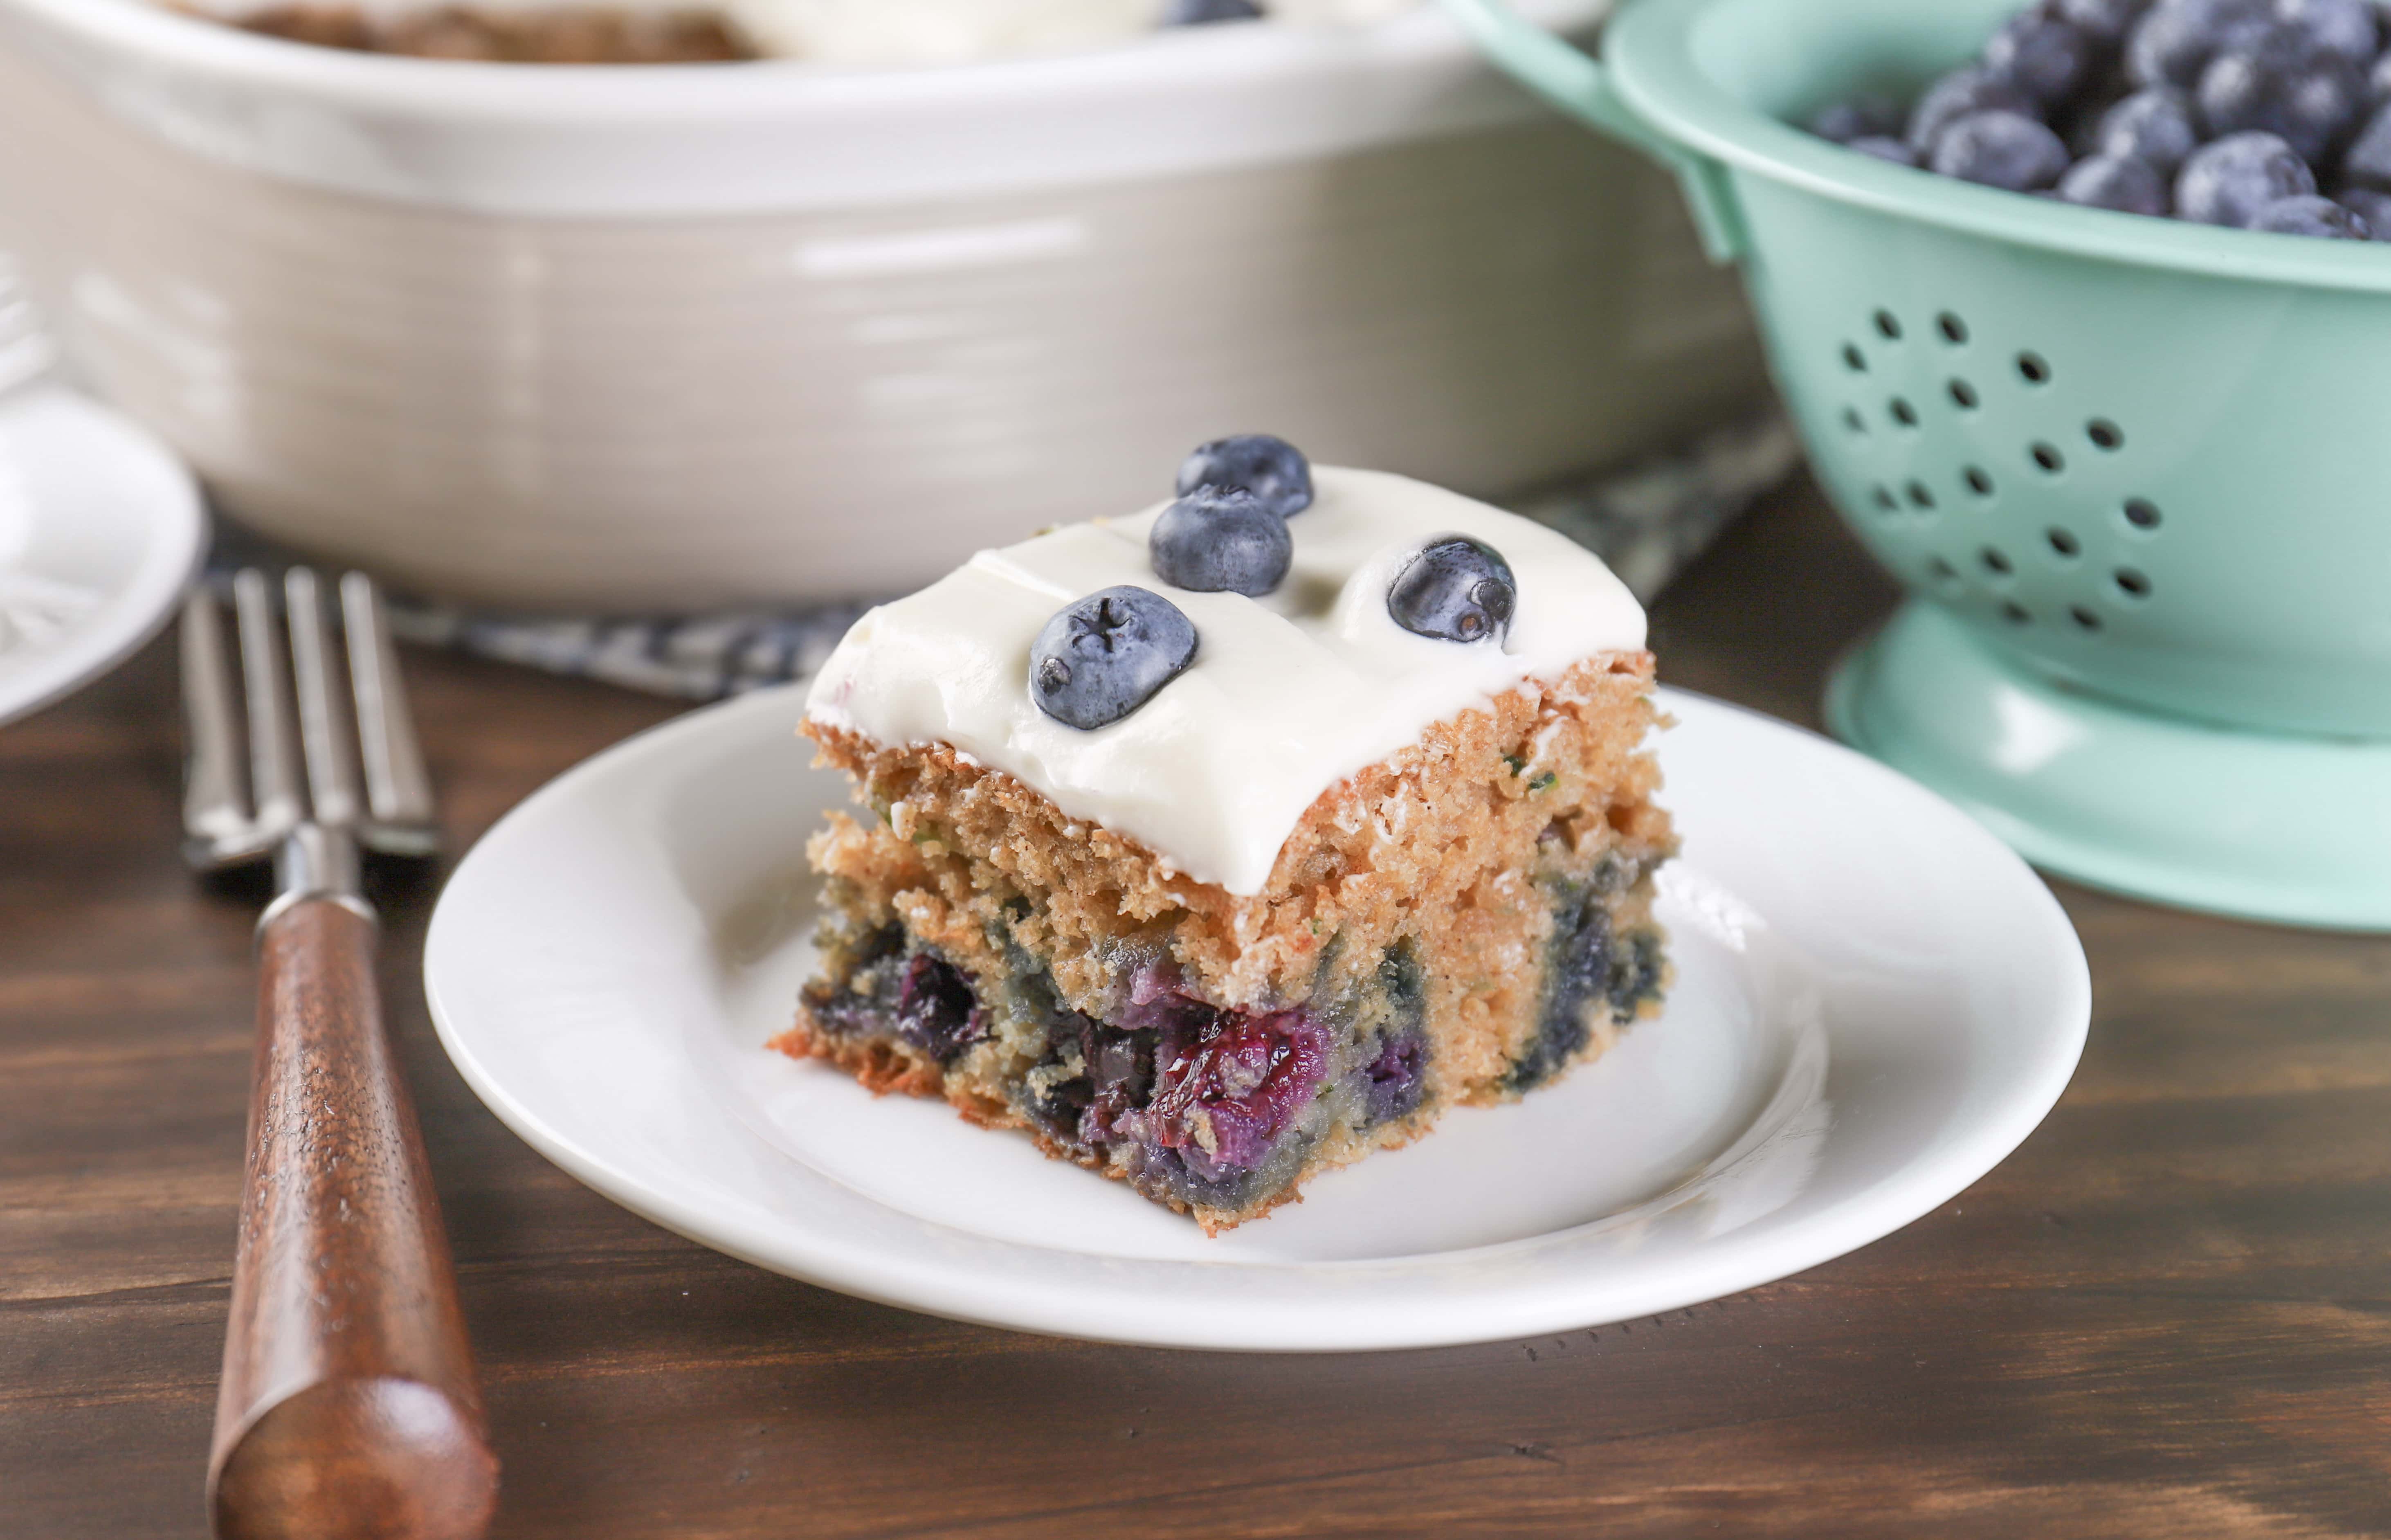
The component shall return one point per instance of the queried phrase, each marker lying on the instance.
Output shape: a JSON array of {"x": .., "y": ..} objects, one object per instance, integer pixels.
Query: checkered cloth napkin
[{"x": 1647, "y": 520}]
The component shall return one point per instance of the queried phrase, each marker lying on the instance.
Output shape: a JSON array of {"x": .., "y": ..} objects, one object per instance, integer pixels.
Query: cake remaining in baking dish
[
  {"x": 849, "y": 33},
  {"x": 1214, "y": 880}
]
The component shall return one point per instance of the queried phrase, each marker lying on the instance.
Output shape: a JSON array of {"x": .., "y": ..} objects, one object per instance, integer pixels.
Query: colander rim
[{"x": 1649, "y": 52}]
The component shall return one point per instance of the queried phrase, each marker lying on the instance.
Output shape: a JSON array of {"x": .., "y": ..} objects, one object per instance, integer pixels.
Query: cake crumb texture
[{"x": 1476, "y": 905}]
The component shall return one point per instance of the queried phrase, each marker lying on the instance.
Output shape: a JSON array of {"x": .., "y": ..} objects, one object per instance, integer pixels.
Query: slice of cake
[{"x": 1224, "y": 844}]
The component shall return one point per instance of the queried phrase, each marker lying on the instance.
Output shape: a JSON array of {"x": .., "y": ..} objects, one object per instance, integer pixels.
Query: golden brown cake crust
[
  {"x": 1438, "y": 825},
  {"x": 559, "y": 33}
]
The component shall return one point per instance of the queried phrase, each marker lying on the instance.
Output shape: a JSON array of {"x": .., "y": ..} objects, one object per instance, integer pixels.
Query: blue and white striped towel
[{"x": 1646, "y": 521}]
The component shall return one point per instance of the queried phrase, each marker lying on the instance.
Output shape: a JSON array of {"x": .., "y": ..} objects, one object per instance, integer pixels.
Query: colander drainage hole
[
  {"x": 2132, "y": 583},
  {"x": 2014, "y": 612},
  {"x": 2050, "y": 458},
  {"x": 2141, "y": 514},
  {"x": 1853, "y": 360},
  {"x": 2063, "y": 543},
  {"x": 1995, "y": 562},
  {"x": 2104, "y": 433},
  {"x": 1852, "y": 421},
  {"x": 1963, "y": 395},
  {"x": 1903, "y": 412},
  {"x": 1943, "y": 571},
  {"x": 1884, "y": 499},
  {"x": 1954, "y": 330},
  {"x": 1978, "y": 483},
  {"x": 1920, "y": 497},
  {"x": 2085, "y": 618},
  {"x": 2032, "y": 367},
  {"x": 1887, "y": 327}
]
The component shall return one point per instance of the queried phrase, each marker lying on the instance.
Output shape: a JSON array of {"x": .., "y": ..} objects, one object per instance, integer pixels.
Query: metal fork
[{"x": 348, "y": 1404}]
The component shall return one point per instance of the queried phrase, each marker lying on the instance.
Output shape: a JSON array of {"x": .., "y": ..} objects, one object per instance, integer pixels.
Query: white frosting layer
[
  {"x": 1289, "y": 694},
  {"x": 881, "y": 33}
]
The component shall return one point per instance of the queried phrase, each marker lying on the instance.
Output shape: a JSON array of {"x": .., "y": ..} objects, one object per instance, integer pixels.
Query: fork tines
[{"x": 346, "y": 761}]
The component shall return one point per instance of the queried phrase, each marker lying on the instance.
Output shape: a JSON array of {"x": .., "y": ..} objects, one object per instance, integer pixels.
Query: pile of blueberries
[
  {"x": 2241, "y": 112},
  {"x": 1101, "y": 657}
]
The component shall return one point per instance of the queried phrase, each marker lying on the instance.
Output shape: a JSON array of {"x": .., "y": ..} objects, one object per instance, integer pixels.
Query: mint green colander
[{"x": 2135, "y": 475}]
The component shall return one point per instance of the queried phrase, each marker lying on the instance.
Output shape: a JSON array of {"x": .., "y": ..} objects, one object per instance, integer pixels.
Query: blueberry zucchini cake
[
  {"x": 1222, "y": 845},
  {"x": 867, "y": 34}
]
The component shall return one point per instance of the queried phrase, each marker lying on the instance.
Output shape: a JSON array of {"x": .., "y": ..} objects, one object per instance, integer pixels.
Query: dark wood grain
[
  {"x": 347, "y": 1406},
  {"x": 2167, "y": 1314}
]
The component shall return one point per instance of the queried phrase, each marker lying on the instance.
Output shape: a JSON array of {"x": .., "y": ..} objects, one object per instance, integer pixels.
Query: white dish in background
[
  {"x": 660, "y": 140},
  {"x": 100, "y": 529},
  {"x": 665, "y": 339},
  {"x": 1875, "y": 1003}
]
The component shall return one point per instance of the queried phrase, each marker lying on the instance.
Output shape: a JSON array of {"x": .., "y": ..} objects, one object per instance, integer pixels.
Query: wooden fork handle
[{"x": 348, "y": 1406}]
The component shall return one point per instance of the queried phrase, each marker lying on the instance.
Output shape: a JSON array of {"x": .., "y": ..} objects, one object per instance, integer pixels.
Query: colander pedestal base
[{"x": 2292, "y": 829}]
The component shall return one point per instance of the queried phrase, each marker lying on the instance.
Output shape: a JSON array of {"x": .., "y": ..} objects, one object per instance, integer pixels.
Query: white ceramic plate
[
  {"x": 1875, "y": 1003},
  {"x": 99, "y": 528}
]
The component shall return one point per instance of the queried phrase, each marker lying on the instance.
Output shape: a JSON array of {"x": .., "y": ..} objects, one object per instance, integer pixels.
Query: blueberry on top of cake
[
  {"x": 1229, "y": 841},
  {"x": 1290, "y": 689}
]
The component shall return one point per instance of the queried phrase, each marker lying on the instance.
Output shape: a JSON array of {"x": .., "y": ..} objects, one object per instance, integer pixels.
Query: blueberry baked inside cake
[{"x": 1218, "y": 845}]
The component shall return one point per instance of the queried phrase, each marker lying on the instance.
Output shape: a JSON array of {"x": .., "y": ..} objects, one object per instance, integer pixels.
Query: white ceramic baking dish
[{"x": 640, "y": 338}]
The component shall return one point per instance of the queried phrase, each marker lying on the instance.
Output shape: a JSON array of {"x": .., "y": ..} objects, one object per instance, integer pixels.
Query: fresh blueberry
[
  {"x": 2105, "y": 21},
  {"x": 1455, "y": 590},
  {"x": 2284, "y": 85},
  {"x": 2230, "y": 180},
  {"x": 1198, "y": 13},
  {"x": 2312, "y": 215},
  {"x": 2174, "y": 38},
  {"x": 2152, "y": 126},
  {"x": 2115, "y": 182},
  {"x": 1103, "y": 657},
  {"x": 2042, "y": 56},
  {"x": 1970, "y": 88},
  {"x": 2368, "y": 162},
  {"x": 1271, "y": 469},
  {"x": 2346, "y": 27},
  {"x": 1212, "y": 541},
  {"x": 2078, "y": 119},
  {"x": 1860, "y": 118},
  {"x": 2378, "y": 81},
  {"x": 2001, "y": 149},
  {"x": 2078, "y": 122},
  {"x": 1883, "y": 148},
  {"x": 2372, "y": 206}
]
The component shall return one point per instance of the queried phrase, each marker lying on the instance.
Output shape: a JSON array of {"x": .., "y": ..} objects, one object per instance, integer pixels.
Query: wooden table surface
[{"x": 2169, "y": 1314}]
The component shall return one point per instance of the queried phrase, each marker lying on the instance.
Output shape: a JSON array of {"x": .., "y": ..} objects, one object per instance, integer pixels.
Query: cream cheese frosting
[
  {"x": 883, "y": 33},
  {"x": 1289, "y": 694}
]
